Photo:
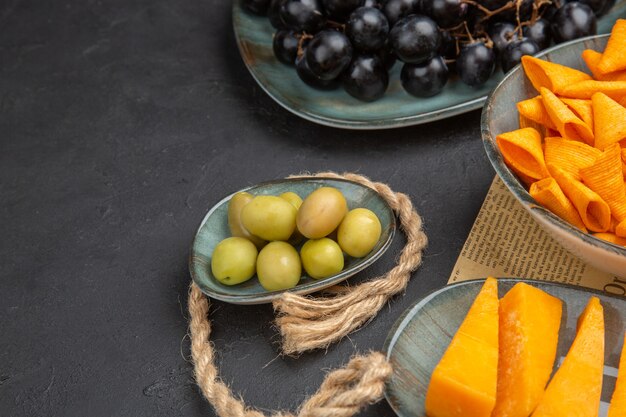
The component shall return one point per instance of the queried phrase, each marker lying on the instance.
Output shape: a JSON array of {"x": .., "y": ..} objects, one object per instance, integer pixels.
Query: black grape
[{"x": 367, "y": 29}]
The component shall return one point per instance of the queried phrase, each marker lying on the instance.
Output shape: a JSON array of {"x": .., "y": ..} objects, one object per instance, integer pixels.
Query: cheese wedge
[
  {"x": 463, "y": 384},
  {"x": 618, "y": 400},
  {"x": 528, "y": 337},
  {"x": 576, "y": 387}
]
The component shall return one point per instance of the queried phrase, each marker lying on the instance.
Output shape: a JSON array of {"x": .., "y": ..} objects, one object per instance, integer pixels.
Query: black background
[{"x": 121, "y": 123}]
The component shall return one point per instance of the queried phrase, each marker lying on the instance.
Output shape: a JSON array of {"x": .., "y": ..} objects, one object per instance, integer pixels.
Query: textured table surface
[{"x": 121, "y": 123}]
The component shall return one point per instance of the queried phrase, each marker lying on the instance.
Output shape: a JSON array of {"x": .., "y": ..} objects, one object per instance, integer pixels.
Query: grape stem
[
  {"x": 490, "y": 13},
  {"x": 301, "y": 40}
]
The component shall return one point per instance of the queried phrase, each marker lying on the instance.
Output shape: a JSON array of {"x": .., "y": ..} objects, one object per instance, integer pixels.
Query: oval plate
[
  {"x": 419, "y": 338},
  {"x": 337, "y": 108},
  {"x": 214, "y": 228}
]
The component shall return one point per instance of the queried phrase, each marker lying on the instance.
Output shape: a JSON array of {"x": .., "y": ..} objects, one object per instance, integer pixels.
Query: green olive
[
  {"x": 234, "y": 260},
  {"x": 321, "y": 258},
  {"x": 235, "y": 206},
  {"x": 321, "y": 212},
  {"x": 269, "y": 217},
  {"x": 278, "y": 266},
  {"x": 293, "y": 198},
  {"x": 359, "y": 232}
]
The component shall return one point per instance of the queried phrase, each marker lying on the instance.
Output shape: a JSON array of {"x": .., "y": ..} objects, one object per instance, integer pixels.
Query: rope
[{"x": 309, "y": 323}]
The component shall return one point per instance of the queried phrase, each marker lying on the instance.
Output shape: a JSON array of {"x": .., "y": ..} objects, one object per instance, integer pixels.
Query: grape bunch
[{"x": 355, "y": 43}]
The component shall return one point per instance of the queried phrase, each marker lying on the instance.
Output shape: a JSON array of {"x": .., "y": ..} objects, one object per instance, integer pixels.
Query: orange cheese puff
[
  {"x": 618, "y": 399},
  {"x": 567, "y": 123},
  {"x": 605, "y": 177},
  {"x": 548, "y": 193},
  {"x": 552, "y": 76},
  {"x": 612, "y": 238},
  {"x": 620, "y": 230},
  {"x": 581, "y": 108},
  {"x": 585, "y": 89},
  {"x": 592, "y": 59},
  {"x": 522, "y": 151},
  {"x": 609, "y": 121},
  {"x": 569, "y": 155},
  {"x": 594, "y": 212},
  {"x": 534, "y": 110},
  {"x": 613, "y": 57}
]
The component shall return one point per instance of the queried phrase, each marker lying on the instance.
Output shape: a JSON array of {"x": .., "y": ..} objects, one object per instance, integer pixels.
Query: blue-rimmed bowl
[
  {"x": 214, "y": 228},
  {"x": 500, "y": 115},
  {"x": 419, "y": 338}
]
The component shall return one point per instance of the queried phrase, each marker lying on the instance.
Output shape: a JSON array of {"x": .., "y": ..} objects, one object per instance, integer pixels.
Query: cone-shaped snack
[
  {"x": 576, "y": 386},
  {"x": 548, "y": 193},
  {"x": 464, "y": 381},
  {"x": 569, "y": 155},
  {"x": 534, "y": 110},
  {"x": 523, "y": 152},
  {"x": 618, "y": 400},
  {"x": 593, "y": 210},
  {"x": 624, "y": 162},
  {"x": 567, "y": 123},
  {"x": 609, "y": 121},
  {"x": 585, "y": 89},
  {"x": 611, "y": 238},
  {"x": 614, "y": 56},
  {"x": 592, "y": 59},
  {"x": 581, "y": 108},
  {"x": 605, "y": 177},
  {"x": 552, "y": 76},
  {"x": 620, "y": 230}
]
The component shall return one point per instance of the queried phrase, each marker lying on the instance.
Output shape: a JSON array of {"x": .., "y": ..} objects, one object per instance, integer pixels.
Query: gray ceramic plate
[
  {"x": 500, "y": 115},
  {"x": 214, "y": 228},
  {"x": 337, "y": 108},
  {"x": 419, "y": 338}
]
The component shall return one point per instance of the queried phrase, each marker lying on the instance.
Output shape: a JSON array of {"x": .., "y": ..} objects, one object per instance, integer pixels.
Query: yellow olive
[
  {"x": 278, "y": 266},
  {"x": 359, "y": 232},
  {"x": 293, "y": 198},
  {"x": 269, "y": 217},
  {"x": 321, "y": 258},
  {"x": 235, "y": 206},
  {"x": 234, "y": 260},
  {"x": 321, "y": 212}
]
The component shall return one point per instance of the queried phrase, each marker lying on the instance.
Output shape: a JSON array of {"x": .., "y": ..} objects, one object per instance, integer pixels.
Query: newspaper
[{"x": 505, "y": 241}]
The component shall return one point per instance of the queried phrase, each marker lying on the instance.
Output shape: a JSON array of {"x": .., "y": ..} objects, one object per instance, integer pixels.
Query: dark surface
[{"x": 121, "y": 123}]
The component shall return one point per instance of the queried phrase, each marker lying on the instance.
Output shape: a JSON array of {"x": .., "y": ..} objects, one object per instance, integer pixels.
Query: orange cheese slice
[
  {"x": 613, "y": 57},
  {"x": 576, "y": 386},
  {"x": 522, "y": 151},
  {"x": 569, "y": 155},
  {"x": 567, "y": 123},
  {"x": 592, "y": 59},
  {"x": 605, "y": 177},
  {"x": 593, "y": 210},
  {"x": 463, "y": 384},
  {"x": 618, "y": 400},
  {"x": 528, "y": 337},
  {"x": 554, "y": 77},
  {"x": 548, "y": 193},
  {"x": 609, "y": 121}
]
